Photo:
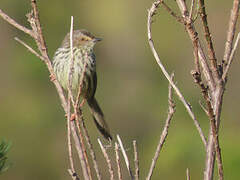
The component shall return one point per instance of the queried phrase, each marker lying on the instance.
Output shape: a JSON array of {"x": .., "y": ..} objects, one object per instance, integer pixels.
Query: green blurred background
[{"x": 131, "y": 89}]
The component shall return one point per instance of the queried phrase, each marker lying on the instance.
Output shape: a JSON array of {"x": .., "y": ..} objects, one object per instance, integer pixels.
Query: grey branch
[
  {"x": 118, "y": 161},
  {"x": 136, "y": 160},
  {"x": 231, "y": 32},
  {"x": 151, "y": 12},
  {"x": 171, "y": 110},
  {"x": 110, "y": 168},
  {"x": 125, "y": 157}
]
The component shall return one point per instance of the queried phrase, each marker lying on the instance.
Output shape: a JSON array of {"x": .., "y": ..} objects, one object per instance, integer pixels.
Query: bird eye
[{"x": 82, "y": 39}]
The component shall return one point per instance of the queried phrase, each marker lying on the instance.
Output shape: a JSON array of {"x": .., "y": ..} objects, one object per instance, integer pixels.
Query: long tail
[{"x": 99, "y": 118}]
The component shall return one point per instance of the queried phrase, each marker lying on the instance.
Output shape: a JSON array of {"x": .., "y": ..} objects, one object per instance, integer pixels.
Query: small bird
[{"x": 83, "y": 60}]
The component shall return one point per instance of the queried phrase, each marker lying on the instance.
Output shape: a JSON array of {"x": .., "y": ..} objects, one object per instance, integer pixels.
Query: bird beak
[{"x": 97, "y": 39}]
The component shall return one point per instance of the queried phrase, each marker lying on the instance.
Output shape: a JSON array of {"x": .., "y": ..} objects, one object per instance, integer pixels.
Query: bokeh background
[{"x": 131, "y": 89}]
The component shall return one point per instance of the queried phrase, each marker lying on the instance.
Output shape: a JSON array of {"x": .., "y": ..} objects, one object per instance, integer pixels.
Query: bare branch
[
  {"x": 118, "y": 161},
  {"x": 69, "y": 124},
  {"x": 30, "y": 49},
  {"x": 136, "y": 161},
  {"x": 231, "y": 33},
  {"x": 171, "y": 12},
  {"x": 40, "y": 38},
  {"x": 230, "y": 59},
  {"x": 110, "y": 169},
  {"x": 188, "y": 174},
  {"x": 84, "y": 162},
  {"x": 191, "y": 9},
  {"x": 14, "y": 23},
  {"x": 208, "y": 38},
  {"x": 80, "y": 152},
  {"x": 171, "y": 110},
  {"x": 89, "y": 144},
  {"x": 151, "y": 12},
  {"x": 125, "y": 157}
]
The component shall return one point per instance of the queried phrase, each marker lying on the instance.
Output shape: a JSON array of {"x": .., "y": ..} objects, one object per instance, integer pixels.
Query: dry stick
[
  {"x": 110, "y": 168},
  {"x": 188, "y": 174},
  {"x": 171, "y": 110},
  {"x": 208, "y": 38},
  {"x": 79, "y": 117},
  {"x": 191, "y": 9},
  {"x": 118, "y": 161},
  {"x": 216, "y": 140},
  {"x": 72, "y": 171},
  {"x": 181, "y": 97},
  {"x": 136, "y": 161},
  {"x": 90, "y": 147},
  {"x": 125, "y": 157},
  {"x": 84, "y": 164},
  {"x": 39, "y": 39},
  {"x": 211, "y": 116},
  {"x": 69, "y": 114},
  {"x": 171, "y": 12},
  {"x": 231, "y": 33},
  {"x": 14, "y": 23},
  {"x": 30, "y": 49},
  {"x": 231, "y": 58}
]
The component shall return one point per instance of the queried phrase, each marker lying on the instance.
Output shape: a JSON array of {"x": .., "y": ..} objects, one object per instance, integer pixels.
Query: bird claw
[
  {"x": 52, "y": 77},
  {"x": 73, "y": 117}
]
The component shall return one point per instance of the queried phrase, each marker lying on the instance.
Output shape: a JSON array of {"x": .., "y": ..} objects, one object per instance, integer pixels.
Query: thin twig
[
  {"x": 171, "y": 12},
  {"x": 70, "y": 73},
  {"x": 231, "y": 32},
  {"x": 151, "y": 12},
  {"x": 136, "y": 161},
  {"x": 90, "y": 147},
  {"x": 69, "y": 124},
  {"x": 78, "y": 146},
  {"x": 204, "y": 109},
  {"x": 79, "y": 118},
  {"x": 191, "y": 9},
  {"x": 110, "y": 168},
  {"x": 30, "y": 49},
  {"x": 118, "y": 161},
  {"x": 69, "y": 137},
  {"x": 40, "y": 38},
  {"x": 73, "y": 175},
  {"x": 230, "y": 59},
  {"x": 171, "y": 110},
  {"x": 188, "y": 174},
  {"x": 14, "y": 23},
  {"x": 208, "y": 38},
  {"x": 84, "y": 164},
  {"x": 125, "y": 157}
]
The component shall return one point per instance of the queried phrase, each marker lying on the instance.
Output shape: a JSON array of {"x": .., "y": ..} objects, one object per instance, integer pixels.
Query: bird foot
[
  {"x": 52, "y": 77},
  {"x": 73, "y": 117}
]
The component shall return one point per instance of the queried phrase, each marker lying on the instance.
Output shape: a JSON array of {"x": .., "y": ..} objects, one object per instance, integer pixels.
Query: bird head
[{"x": 81, "y": 39}]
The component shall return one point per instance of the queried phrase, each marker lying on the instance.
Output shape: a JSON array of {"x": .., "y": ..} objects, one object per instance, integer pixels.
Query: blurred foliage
[
  {"x": 4, "y": 148},
  {"x": 131, "y": 89}
]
